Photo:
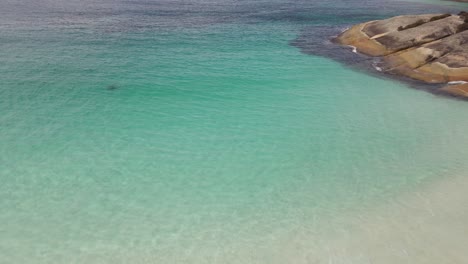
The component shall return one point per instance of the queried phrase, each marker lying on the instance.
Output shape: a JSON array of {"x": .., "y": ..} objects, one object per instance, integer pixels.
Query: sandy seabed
[{"x": 427, "y": 226}]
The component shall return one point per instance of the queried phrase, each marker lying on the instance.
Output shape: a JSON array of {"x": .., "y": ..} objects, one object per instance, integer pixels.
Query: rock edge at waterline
[{"x": 432, "y": 48}]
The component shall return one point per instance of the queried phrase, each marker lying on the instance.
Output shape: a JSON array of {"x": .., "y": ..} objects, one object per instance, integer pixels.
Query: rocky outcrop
[
  {"x": 432, "y": 48},
  {"x": 456, "y": 89}
]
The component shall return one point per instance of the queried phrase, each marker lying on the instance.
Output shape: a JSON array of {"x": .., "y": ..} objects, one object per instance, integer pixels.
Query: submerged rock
[{"x": 432, "y": 48}]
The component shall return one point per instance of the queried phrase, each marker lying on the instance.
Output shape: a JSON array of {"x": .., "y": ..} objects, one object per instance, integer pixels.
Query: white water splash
[
  {"x": 456, "y": 82},
  {"x": 354, "y": 48}
]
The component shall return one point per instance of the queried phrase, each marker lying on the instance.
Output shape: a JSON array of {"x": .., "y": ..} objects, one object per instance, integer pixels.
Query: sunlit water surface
[{"x": 202, "y": 131}]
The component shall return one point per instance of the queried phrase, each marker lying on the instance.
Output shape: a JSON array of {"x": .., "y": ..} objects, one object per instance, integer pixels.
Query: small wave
[
  {"x": 456, "y": 82},
  {"x": 354, "y": 48}
]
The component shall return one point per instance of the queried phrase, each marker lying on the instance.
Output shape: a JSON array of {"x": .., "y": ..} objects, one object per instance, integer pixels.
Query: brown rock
[
  {"x": 369, "y": 38},
  {"x": 398, "y": 23},
  {"x": 432, "y": 48},
  {"x": 439, "y": 61},
  {"x": 427, "y": 32},
  {"x": 364, "y": 44},
  {"x": 460, "y": 90}
]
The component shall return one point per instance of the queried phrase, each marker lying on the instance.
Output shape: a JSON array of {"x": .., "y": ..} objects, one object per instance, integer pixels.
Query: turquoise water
[{"x": 185, "y": 132}]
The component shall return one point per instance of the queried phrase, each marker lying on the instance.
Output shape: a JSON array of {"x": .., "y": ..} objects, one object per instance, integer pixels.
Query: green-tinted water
[{"x": 207, "y": 142}]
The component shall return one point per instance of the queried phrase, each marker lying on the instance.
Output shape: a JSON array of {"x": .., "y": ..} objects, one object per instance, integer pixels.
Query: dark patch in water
[{"x": 112, "y": 87}]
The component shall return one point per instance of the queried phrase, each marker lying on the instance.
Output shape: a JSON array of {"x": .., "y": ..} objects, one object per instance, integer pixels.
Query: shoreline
[
  {"x": 429, "y": 48},
  {"x": 374, "y": 70}
]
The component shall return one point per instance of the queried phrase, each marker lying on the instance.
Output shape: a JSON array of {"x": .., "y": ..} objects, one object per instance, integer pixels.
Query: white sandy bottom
[{"x": 429, "y": 226}]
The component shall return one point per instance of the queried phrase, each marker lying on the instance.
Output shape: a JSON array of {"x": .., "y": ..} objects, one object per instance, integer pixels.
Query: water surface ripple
[{"x": 193, "y": 132}]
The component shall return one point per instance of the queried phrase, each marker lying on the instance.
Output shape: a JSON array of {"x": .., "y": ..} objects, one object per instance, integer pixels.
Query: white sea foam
[
  {"x": 457, "y": 82},
  {"x": 354, "y": 48}
]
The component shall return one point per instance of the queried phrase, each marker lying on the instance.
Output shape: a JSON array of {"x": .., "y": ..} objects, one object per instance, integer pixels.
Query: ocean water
[{"x": 203, "y": 131}]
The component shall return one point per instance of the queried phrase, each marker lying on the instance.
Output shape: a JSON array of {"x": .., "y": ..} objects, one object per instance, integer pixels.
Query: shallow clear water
[{"x": 193, "y": 132}]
